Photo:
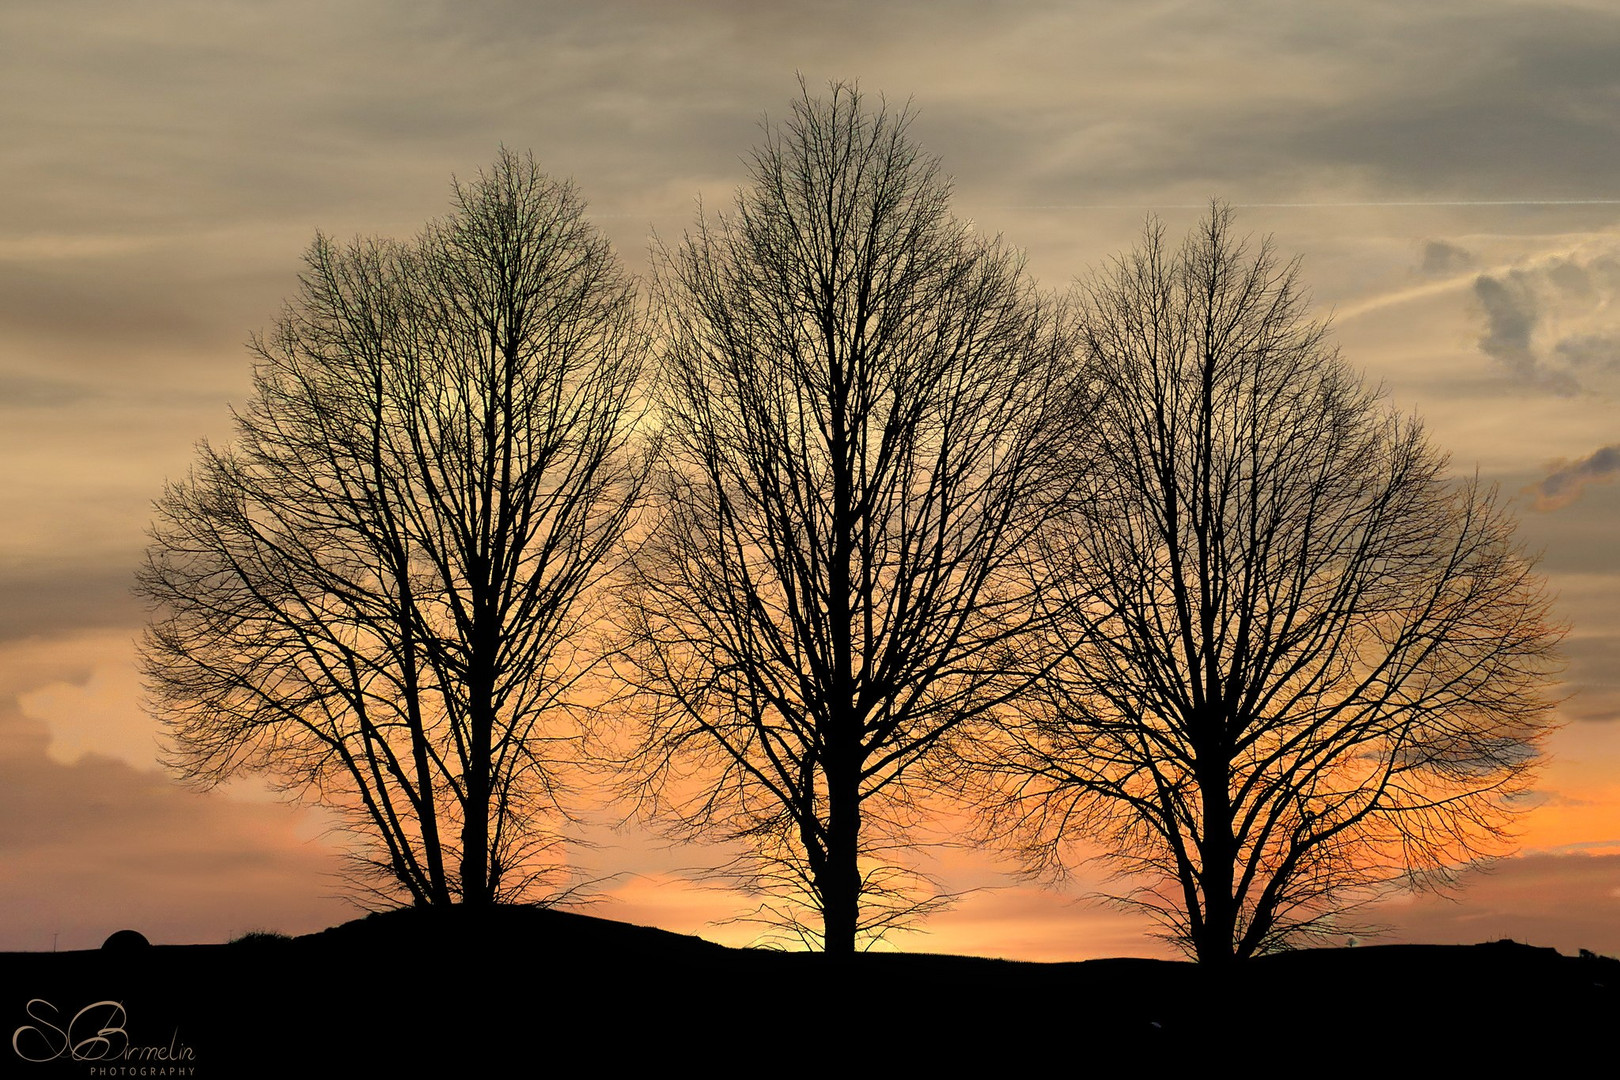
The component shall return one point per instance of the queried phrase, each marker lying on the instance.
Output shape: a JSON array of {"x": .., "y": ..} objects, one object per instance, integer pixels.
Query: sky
[{"x": 1448, "y": 172}]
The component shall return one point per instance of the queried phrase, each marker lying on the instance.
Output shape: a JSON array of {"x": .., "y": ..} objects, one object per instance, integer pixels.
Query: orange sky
[{"x": 1447, "y": 172}]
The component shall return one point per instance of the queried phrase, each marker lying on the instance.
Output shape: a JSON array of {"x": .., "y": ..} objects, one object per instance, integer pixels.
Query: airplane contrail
[
  {"x": 1416, "y": 292},
  {"x": 1314, "y": 205}
]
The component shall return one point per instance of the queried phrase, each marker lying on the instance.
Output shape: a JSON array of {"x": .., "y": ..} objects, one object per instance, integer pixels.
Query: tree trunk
[
  {"x": 1217, "y": 852},
  {"x": 476, "y": 884},
  {"x": 840, "y": 880},
  {"x": 475, "y": 880}
]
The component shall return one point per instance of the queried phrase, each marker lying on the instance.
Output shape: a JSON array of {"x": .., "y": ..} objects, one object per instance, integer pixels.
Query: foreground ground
[{"x": 532, "y": 992}]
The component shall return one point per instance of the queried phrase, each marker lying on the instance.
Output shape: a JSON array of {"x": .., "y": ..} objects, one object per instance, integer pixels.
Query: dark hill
[{"x": 534, "y": 992}]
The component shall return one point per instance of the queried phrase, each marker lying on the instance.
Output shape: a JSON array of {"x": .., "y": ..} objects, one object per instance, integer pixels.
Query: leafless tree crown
[
  {"x": 855, "y": 390},
  {"x": 1301, "y": 659},
  {"x": 381, "y": 592}
]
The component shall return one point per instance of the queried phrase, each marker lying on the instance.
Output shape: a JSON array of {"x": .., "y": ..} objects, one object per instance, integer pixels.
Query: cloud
[
  {"x": 20, "y": 391},
  {"x": 88, "y": 848},
  {"x": 93, "y": 716},
  {"x": 1592, "y": 678},
  {"x": 1590, "y": 352},
  {"x": 1563, "y": 485},
  {"x": 1564, "y": 901},
  {"x": 97, "y": 844},
  {"x": 1442, "y": 259},
  {"x": 1552, "y": 325},
  {"x": 1450, "y": 101},
  {"x": 1511, "y": 315},
  {"x": 340, "y": 112},
  {"x": 1495, "y": 102},
  {"x": 49, "y": 599}
]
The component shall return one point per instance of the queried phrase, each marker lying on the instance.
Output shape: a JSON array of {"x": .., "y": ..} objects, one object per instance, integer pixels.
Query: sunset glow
[{"x": 1447, "y": 175}]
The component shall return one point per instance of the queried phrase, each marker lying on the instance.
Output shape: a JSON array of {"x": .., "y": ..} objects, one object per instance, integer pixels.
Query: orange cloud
[{"x": 1563, "y": 485}]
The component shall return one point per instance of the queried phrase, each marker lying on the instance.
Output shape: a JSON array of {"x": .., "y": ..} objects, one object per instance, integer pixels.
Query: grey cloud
[
  {"x": 1505, "y": 103},
  {"x": 1590, "y": 352},
  {"x": 1577, "y": 540},
  {"x": 1450, "y": 101},
  {"x": 1570, "y": 279},
  {"x": 1512, "y": 314},
  {"x": 156, "y": 327},
  {"x": 1563, "y": 485},
  {"x": 1442, "y": 259},
  {"x": 18, "y": 391},
  {"x": 1592, "y": 678},
  {"x": 320, "y": 114},
  {"x": 49, "y": 600},
  {"x": 79, "y": 311},
  {"x": 1568, "y": 300}
]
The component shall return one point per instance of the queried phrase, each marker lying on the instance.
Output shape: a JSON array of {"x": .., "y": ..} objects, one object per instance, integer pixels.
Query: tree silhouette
[
  {"x": 381, "y": 593},
  {"x": 1300, "y": 661},
  {"x": 854, "y": 394}
]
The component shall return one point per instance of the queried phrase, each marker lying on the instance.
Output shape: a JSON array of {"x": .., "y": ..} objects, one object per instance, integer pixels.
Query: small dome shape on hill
[{"x": 125, "y": 941}]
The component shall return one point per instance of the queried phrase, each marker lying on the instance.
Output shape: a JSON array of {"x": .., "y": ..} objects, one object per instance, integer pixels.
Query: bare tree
[
  {"x": 380, "y": 594},
  {"x": 853, "y": 394},
  {"x": 1301, "y": 660}
]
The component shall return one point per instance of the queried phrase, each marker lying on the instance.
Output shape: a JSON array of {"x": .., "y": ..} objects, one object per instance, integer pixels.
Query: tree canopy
[
  {"x": 854, "y": 389},
  {"x": 1300, "y": 658},
  {"x": 381, "y": 594}
]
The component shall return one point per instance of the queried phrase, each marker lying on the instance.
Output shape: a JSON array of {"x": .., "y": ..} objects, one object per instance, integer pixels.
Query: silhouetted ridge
[
  {"x": 523, "y": 927},
  {"x": 467, "y": 993}
]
